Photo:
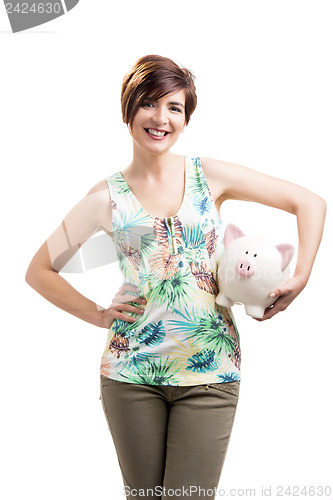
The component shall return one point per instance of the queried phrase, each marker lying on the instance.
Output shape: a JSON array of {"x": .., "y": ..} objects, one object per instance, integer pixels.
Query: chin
[{"x": 158, "y": 147}]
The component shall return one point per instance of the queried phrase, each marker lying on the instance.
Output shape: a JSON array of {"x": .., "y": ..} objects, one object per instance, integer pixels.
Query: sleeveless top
[{"x": 184, "y": 337}]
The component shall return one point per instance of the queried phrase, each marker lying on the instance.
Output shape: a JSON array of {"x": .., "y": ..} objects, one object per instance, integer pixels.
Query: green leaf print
[
  {"x": 119, "y": 184},
  {"x": 152, "y": 371},
  {"x": 203, "y": 362},
  {"x": 168, "y": 292},
  {"x": 209, "y": 331},
  {"x": 134, "y": 357},
  {"x": 128, "y": 225},
  {"x": 196, "y": 182},
  {"x": 229, "y": 377},
  {"x": 194, "y": 243},
  {"x": 122, "y": 327},
  {"x": 147, "y": 243},
  {"x": 202, "y": 205},
  {"x": 152, "y": 334},
  {"x": 214, "y": 335}
]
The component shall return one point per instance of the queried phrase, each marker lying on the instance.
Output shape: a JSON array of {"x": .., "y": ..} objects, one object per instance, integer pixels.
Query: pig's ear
[
  {"x": 287, "y": 252},
  {"x": 232, "y": 232}
]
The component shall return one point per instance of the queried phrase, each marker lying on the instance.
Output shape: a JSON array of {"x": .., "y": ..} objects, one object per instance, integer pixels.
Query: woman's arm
[
  {"x": 237, "y": 182},
  {"x": 86, "y": 218}
]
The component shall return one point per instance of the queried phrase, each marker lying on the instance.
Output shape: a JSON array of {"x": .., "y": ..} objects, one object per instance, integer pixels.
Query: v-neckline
[{"x": 183, "y": 201}]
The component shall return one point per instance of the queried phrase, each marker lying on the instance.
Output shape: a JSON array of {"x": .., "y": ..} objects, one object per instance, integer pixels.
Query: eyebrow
[{"x": 175, "y": 103}]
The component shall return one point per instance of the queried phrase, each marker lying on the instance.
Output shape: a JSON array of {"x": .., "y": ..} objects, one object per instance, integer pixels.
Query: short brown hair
[{"x": 155, "y": 76}]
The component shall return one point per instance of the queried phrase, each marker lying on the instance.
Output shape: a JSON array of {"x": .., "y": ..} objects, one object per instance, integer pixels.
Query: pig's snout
[{"x": 245, "y": 268}]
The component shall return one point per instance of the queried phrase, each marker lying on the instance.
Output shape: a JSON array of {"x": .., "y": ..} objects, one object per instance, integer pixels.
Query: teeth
[{"x": 155, "y": 132}]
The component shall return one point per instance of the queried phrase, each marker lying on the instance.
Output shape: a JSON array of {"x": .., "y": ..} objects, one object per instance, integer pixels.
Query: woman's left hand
[{"x": 285, "y": 295}]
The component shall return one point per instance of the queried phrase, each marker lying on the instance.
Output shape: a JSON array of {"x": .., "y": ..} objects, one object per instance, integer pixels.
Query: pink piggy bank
[{"x": 249, "y": 269}]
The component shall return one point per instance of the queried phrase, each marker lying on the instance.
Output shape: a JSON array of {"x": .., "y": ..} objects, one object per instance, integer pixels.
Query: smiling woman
[
  {"x": 160, "y": 121},
  {"x": 151, "y": 78},
  {"x": 172, "y": 375}
]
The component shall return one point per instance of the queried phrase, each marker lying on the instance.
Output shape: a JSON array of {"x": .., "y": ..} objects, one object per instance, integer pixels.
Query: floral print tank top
[{"x": 184, "y": 337}]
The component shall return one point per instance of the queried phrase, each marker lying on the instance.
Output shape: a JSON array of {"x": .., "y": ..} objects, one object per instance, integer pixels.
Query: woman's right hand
[{"x": 119, "y": 305}]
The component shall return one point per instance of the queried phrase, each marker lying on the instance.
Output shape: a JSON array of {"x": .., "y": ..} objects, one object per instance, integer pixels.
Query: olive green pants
[{"x": 171, "y": 441}]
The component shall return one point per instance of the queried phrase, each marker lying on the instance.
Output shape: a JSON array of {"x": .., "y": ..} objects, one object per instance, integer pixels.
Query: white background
[{"x": 264, "y": 82}]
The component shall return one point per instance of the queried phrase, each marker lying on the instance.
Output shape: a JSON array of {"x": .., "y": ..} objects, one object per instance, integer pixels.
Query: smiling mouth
[{"x": 156, "y": 133}]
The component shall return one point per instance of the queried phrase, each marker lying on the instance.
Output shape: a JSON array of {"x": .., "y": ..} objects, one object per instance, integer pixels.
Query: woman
[{"x": 170, "y": 374}]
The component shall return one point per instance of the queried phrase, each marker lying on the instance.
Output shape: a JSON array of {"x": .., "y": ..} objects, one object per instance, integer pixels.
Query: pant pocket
[
  {"x": 229, "y": 387},
  {"x": 106, "y": 381}
]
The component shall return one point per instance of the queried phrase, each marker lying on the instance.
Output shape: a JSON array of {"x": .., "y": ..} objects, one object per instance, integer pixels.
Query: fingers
[
  {"x": 127, "y": 307},
  {"x": 277, "y": 292},
  {"x": 122, "y": 296},
  {"x": 116, "y": 312},
  {"x": 284, "y": 295},
  {"x": 121, "y": 302},
  {"x": 269, "y": 313},
  {"x": 287, "y": 288},
  {"x": 128, "y": 287},
  {"x": 279, "y": 305},
  {"x": 125, "y": 317},
  {"x": 123, "y": 299}
]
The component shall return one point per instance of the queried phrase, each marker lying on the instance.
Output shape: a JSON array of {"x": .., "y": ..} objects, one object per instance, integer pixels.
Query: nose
[
  {"x": 160, "y": 116},
  {"x": 245, "y": 268}
]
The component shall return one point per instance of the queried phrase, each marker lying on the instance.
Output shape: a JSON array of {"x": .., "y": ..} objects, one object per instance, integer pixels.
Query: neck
[{"x": 151, "y": 166}]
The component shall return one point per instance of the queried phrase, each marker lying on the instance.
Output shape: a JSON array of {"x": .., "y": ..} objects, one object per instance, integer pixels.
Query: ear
[
  {"x": 231, "y": 233},
  {"x": 287, "y": 252}
]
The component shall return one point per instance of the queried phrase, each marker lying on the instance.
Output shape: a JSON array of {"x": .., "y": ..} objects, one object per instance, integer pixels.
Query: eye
[
  {"x": 255, "y": 255},
  {"x": 174, "y": 108},
  {"x": 246, "y": 252},
  {"x": 146, "y": 104}
]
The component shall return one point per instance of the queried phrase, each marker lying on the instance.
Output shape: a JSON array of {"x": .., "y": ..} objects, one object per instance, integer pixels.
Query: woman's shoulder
[
  {"x": 100, "y": 192},
  {"x": 101, "y": 185},
  {"x": 212, "y": 162},
  {"x": 98, "y": 202}
]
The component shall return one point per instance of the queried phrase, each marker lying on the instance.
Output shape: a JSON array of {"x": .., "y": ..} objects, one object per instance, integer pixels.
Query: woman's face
[{"x": 158, "y": 124}]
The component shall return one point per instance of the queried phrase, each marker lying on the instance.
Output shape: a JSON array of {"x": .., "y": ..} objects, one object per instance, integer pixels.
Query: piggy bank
[{"x": 249, "y": 269}]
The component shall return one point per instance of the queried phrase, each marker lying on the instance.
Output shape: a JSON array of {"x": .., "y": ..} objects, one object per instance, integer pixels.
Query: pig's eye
[
  {"x": 255, "y": 255},
  {"x": 246, "y": 252}
]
